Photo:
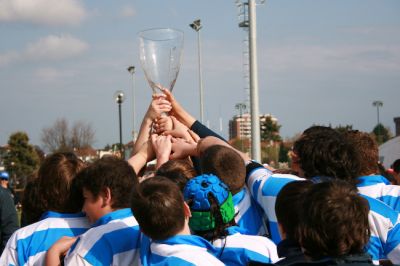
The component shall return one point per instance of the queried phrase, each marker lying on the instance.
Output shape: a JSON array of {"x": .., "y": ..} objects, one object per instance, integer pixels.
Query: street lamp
[
  {"x": 378, "y": 104},
  {"x": 241, "y": 107},
  {"x": 131, "y": 69},
  {"x": 119, "y": 99},
  {"x": 196, "y": 25}
]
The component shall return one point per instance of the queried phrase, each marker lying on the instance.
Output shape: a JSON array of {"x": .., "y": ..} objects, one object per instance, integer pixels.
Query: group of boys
[{"x": 338, "y": 209}]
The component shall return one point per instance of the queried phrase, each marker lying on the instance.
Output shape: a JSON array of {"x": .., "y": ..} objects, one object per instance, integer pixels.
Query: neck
[{"x": 185, "y": 230}]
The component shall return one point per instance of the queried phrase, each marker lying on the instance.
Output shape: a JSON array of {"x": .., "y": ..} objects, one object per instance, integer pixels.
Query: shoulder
[{"x": 112, "y": 234}]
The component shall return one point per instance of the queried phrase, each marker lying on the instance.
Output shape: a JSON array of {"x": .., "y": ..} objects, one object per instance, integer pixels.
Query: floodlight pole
[
  {"x": 196, "y": 25},
  {"x": 254, "y": 107}
]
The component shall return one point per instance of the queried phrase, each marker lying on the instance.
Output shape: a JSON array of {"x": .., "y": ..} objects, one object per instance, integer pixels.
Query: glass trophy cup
[{"x": 160, "y": 56}]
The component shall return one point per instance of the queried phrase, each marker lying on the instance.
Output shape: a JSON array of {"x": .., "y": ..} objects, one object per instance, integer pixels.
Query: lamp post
[
  {"x": 119, "y": 99},
  {"x": 196, "y": 25},
  {"x": 378, "y": 104},
  {"x": 241, "y": 107},
  {"x": 131, "y": 69}
]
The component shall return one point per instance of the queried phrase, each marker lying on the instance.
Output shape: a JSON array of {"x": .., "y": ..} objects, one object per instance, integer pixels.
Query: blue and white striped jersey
[
  {"x": 113, "y": 240},
  {"x": 384, "y": 221},
  {"x": 239, "y": 249},
  {"x": 264, "y": 187},
  {"x": 384, "y": 224},
  {"x": 28, "y": 245},
  {"x": 178, "y": 250},
  {"x": 378, "y": 187},
  {"x": 249, "y": 214}
]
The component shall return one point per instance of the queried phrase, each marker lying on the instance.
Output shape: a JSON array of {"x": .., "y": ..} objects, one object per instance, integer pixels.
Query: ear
[
  {"x": 186, "y": 210},
  {"x": 107, "y": 197}
]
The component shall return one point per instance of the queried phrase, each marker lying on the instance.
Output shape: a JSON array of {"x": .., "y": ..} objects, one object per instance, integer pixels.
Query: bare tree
[
  {"x": 60, "y": 138},
  {"x": 82, "y": 135}
]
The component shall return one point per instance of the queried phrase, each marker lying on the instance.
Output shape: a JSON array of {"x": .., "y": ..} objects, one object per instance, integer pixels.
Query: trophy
[{"x": 160, "y": 56}]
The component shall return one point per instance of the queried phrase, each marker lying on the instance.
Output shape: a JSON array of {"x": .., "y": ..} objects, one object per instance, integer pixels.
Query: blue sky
[{"x": 321, "y": 62}]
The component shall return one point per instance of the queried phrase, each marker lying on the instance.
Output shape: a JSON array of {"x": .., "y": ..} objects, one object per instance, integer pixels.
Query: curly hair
[
  {"x": 367, "y": 150},
  {"x": 326, "y": 153},
  {"x": 334, "y": 221}
]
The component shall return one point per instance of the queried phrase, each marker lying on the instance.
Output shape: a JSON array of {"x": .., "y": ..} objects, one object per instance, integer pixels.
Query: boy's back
[
  {"x": 113, "y": 240},
  {"x": 239, "y": 249},
  {"x": 28, "y": 245},
  {"x": 180, "y": 250}
]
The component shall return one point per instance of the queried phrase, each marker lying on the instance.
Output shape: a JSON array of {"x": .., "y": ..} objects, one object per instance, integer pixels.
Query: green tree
[
  {"x": 21, "y": 159},
  {"x": 283, "y": 153},
  {"x": 381, "y": 134},
  {"x": 242, "y": 144},
  {"x": 270, "y": 130}
]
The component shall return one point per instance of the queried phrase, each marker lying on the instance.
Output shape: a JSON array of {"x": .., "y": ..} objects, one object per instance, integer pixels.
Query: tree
[
  {"x": 343, "y": 129},
  {"x": 270, "y": 130},
  {"x": 241, "y": 144},
  {"x": 60, "y": 137},
  {"x": 21, "y": 159},
  {"x": 381, "y": 134},
  {"x": 82, "y": 135},
  {"x": 283, "y": 153}
]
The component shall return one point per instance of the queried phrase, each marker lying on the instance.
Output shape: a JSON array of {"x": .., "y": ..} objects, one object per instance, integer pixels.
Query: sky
[{"x": 319, "y": 62}]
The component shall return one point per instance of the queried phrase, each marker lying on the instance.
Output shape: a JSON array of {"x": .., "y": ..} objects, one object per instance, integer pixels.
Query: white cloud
[
  {"x": 55, "y": 47},
  {"x": 52, "y": 74},
  {"x": 8, "y": 58},
  {"x": 362, "y": 58},
  {"x": 128, "y": 11},
  {"x": 51, "y": 47},
  {"x": 48, "y": 12}
]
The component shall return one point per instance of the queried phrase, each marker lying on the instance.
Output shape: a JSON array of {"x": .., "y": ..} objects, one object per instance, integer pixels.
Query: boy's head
[
  {"x": 396, "y": 166},
  {"x": 366, "y": 149},
  {"x": 107, "y": 185},
  {"x": 56, "y": 190},
  {"x": 159, "y": 208},
  {"x": 334, "y": 220},
  {"x": 326, "y": 153},
  {"x": 211, "y": 205},
  {"x": 288, "y": 207},
  {"x": 225, "y": 163},
  {"x": 178, "y": 171}
]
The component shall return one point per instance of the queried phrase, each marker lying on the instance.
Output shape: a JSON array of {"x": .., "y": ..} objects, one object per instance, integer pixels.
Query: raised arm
[
  {"x": 157, "y": 106},
  {"x": 211, "y": 141},
  {"x": 178, "y": 111},
  {"x": 144, "y": 155}
]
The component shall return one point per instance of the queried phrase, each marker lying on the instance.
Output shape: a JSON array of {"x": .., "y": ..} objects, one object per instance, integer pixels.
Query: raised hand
[{"x": 162, "y": 147}]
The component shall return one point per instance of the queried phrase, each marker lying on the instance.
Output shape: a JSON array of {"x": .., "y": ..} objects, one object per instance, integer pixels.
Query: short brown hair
[
  {"x": 226, "y": 164},
  {"x": 366, "y": 149},
  {"x": 113, "y": 173},
  {"x": 334, "y": 222},
  {"x": 288, "y": 206},
  {"x": 178, "y": 171},
  {"x": 157, "y": 205},
  {"x": 55, "y": 187}
]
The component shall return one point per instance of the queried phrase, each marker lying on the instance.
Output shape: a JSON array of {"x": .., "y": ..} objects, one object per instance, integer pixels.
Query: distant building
[
  {"x": 3, "y": 152},
  {"x": 397, "y": 125},
  {"x": 86, "y": 154},
  {"x": 240, "y": 126},
  {"x": 390, "y": 150}
]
